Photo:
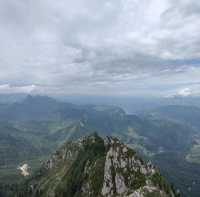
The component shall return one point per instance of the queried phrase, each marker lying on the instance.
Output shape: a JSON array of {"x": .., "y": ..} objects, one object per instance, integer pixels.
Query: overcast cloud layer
[{"x": 126, "y": 47}]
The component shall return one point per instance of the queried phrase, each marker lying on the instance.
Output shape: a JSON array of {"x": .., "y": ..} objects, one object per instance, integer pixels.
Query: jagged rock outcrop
[{"x": 93, "y": 167}]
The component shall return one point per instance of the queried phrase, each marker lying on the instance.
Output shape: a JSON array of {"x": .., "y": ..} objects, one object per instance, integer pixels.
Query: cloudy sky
[{"x": 100, "y": 47}]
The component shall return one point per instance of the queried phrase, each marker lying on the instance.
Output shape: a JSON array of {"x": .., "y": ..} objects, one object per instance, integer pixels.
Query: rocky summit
[{"x": 96, "y": 167}]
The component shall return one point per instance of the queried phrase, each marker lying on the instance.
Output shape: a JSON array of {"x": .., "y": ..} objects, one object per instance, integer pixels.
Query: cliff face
[{"x": 93, "y": 167}]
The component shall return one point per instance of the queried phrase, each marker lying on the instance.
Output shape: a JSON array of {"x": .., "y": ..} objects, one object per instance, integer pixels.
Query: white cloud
[
  {"x": 192, "y": 90},
  {"x": 6, "y": 88},
  {"x": 184, "y": 92}
]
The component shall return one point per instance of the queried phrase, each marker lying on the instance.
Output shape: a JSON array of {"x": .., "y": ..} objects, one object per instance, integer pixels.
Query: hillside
[{"x": 180, "y": 113}]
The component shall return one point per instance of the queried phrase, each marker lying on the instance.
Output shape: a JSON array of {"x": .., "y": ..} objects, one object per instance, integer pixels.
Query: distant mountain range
[{"x": 130, "y": 104}]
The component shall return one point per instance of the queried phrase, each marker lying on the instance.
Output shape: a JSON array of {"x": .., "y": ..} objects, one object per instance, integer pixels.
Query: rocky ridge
[{"x": 96, "y": 167}]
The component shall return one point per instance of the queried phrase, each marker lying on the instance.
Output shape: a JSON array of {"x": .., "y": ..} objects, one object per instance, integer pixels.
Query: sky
[{"x": 100, "y": 47}]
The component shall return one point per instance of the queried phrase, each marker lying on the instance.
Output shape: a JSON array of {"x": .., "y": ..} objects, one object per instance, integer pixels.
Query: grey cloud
[{"x": 90, "y": 45}]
